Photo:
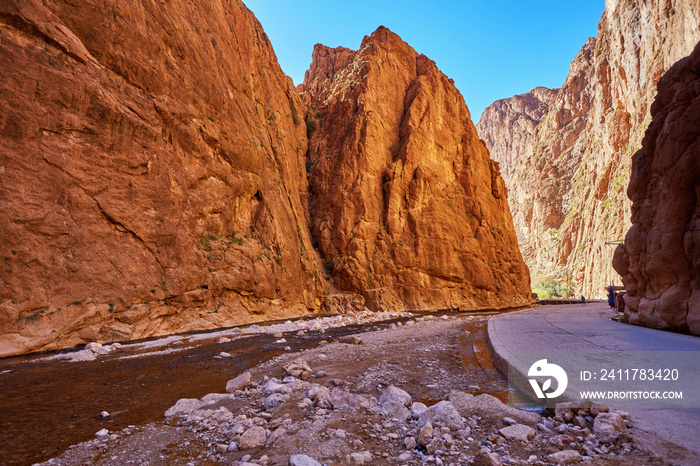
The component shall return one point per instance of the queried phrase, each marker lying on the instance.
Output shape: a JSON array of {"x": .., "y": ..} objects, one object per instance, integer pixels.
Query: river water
[{"x": 48, "y": 405}]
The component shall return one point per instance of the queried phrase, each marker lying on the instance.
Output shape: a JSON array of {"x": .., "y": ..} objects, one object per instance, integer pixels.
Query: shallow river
[{"x": 46, "y": 406}]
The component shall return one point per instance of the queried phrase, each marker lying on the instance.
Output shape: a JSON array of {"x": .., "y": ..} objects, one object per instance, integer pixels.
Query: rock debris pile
[
  {"x": 379, "y": 402},
  {"x": 296, "y": 421}
]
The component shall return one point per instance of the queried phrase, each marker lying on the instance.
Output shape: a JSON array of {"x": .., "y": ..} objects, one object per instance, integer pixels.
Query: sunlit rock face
[
  {"x": 660, "y": 259},
  {"x": 567, "y": 176},
  {"x": 406, "y": 205},
  {"x": 152, "y": 173}
]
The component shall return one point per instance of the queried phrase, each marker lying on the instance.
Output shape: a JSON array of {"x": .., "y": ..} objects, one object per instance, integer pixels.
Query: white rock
[
  {"x": 211, "y": 398},
  {"x": 275, "y": 400},
  {"x": 405, "y": 456},
  {"x": 238, "y": 383},
  {"x": 104, "y": 414},
  {"x": 417, "y": 408},
  {"x": 302, "y": 460},
  {"x": 564, "y": 457},
  {"x": 340, "y": 399},
  {"x": 608, "y": 426},
  {"x": 425, "y": 434},
  {"x": 395, "y": 410},
  {"x": 364, "y": 457},
  {"x": 274, "y": 386},
  {"x": 83, "y": 355},
  {"x": 100, "y": 350},
  {"x": 252, "y": 438},
  {"x": 392, "y": 393},
  {"x": 320, "y": 395},
  {"x": 93, "y": 346},
  {"x": 298, "y": 368},
  {"x": 443, "y": 412},
  {"x": 518, "y": 432},
  {"x": 184, "y": 406},
  {"x": 487, "y": 458},
  {"x": 410, "y": 443},
  {"x": 102, "y": 433}
]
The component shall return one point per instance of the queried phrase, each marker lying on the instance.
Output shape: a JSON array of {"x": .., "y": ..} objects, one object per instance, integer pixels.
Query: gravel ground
[{"x": 333, "y": 404}]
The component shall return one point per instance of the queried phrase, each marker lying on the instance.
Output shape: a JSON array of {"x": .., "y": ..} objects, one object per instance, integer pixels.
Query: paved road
[{"x": 583, "y": 337}]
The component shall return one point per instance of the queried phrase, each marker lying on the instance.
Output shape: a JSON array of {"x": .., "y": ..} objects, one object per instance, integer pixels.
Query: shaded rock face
[
  {"x": 406, "y": 205},
  {"x": 660, "y": 259},
  {"x": 507, "y": 125},
  {"x": 566, "y": 178},
  {"x": 152, "y": 174}
]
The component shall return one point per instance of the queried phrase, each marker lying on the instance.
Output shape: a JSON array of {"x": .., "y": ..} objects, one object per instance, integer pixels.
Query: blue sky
[{"x": 492, "y": 49}]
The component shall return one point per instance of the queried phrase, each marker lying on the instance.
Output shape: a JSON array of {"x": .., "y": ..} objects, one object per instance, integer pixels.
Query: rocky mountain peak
[
  {"x": 567, "y": 168},
  {"x": 406, "y": 205}
]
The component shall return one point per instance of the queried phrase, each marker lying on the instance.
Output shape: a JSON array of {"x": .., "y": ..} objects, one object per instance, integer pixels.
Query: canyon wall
[
  {"x": 406, "y": 205},
  {"x": 153, "y": 178},
  {"x": 660, "y": 259},
  {"x": 152, "y": 173},
  {"x": 567, "y": 180}
]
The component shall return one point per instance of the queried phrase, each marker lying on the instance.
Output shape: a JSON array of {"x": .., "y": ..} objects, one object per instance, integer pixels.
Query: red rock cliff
[
  {"x": 660, "y": 259},
  {"x": 507, "y": 125},
  {"x": 407, "y": 207},
  {"x": 567, "y": 182},
  {"x": 152, "y": 173}
]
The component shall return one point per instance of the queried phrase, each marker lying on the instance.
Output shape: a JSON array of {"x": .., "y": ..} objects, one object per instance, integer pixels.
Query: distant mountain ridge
[{"x": 567, "y": 168}]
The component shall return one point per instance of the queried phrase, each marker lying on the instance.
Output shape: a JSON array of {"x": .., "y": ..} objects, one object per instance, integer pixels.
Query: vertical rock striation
[
  {"x": 507, "y": 126},
  {"x": 406, "y": 205},
  {"x": 660, "y": 259},
  {"x": 566, "y": 183},
  {"x": 152, "y": 174}
]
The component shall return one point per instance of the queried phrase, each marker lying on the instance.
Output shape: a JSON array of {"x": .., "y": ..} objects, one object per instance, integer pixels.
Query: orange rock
[
  {"x": 406, "y": 205},
  {"x": 567, "y": 176},
  {"x": 660, "y": 259},
  {"x": 152, "y": 174}
]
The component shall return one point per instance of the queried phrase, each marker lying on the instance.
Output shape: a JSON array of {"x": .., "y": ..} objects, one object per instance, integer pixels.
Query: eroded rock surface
[
  {"x": 660, "y": 259},
  {"x": 567, "y": 177},
  {"x": 151, "y": 173},
  {"x": 406, "y": 205}
]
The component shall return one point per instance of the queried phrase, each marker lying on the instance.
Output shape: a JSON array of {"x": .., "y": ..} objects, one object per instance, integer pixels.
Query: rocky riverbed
[{"x": 411, "y": 394}]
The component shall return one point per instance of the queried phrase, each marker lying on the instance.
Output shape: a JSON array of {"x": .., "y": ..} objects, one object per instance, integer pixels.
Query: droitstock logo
[{"x": 542, "y": 368}]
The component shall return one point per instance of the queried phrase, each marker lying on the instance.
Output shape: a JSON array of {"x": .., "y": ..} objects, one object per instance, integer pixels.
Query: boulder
[
  {"x": 417, "y": 408},
  {"x": 275, "y": 400},
  {"x": 488, "y": 406},
  {"x": 184, "y": 406},
  {"x": 238, "y": 383},
  {"x": 252, "y": 438},
  {"x": 443, "y": 412},
  {"x": 342, "y": 399},
  {"x": 518, "y": 432},
  {"x": 427, "y": 185},
  {"x": 298, "y": 368},
  {"x": 564, "y": 457},
  {"x": 608, "y": 426},
  {"x": 320, "y": 395},
  {"x": 485, "y": 457},
  {"x": 302, "y": 460},
  {"x": 425, "y": 434},
  {"x": 392, "y": 393}
]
